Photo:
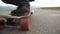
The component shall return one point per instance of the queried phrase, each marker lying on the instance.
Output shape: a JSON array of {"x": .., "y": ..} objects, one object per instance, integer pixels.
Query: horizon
[{"x": 40, "y": 3}]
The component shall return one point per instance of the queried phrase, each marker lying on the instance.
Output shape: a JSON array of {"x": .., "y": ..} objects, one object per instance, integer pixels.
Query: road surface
[{"x": 42, "y": 22}]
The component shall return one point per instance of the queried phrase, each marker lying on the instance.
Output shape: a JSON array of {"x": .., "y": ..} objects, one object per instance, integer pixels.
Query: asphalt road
[{"x": 42, "y": 22}]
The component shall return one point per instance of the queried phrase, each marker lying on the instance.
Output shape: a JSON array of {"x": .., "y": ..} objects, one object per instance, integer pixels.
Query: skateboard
[{"x": 24, "y": 21}]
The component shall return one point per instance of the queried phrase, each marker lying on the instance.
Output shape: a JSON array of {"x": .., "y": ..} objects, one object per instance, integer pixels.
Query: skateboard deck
[{"x": 9, "y": 16}]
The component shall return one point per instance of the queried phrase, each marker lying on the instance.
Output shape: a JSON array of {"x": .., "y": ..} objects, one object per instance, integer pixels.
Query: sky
[{"x": 40, "y": 3}]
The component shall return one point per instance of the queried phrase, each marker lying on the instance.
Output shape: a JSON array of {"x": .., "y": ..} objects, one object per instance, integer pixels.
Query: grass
[
  {"x": 51, "y": 8},
  {"x": 4, "y": 10}
]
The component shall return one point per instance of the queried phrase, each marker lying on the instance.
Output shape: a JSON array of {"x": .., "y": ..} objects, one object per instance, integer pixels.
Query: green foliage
[
  {"x": 5, "y": 10},
  {"x": 52, "y": 8}
]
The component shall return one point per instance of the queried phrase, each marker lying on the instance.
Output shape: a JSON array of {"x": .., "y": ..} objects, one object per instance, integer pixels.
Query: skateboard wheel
[
  {"x": 25, "y": 24},
  {"x": 2, "y": 27},
  {"x": 2, "y": 24}
]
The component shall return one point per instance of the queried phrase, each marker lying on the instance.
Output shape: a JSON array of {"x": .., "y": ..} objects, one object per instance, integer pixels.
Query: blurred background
[{"x": 35, "y": 4}]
